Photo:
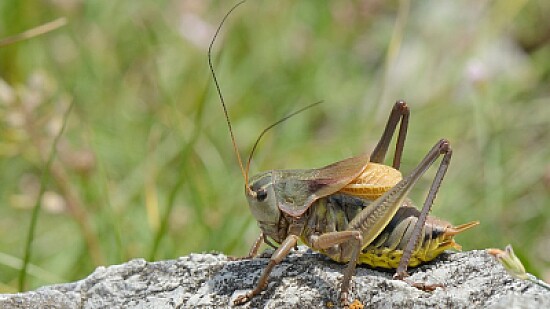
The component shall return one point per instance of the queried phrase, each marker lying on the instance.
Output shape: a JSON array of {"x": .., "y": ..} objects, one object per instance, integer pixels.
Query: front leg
[
  {"x": 279, "y": 254},
  {"x": 253, "y": 250}
]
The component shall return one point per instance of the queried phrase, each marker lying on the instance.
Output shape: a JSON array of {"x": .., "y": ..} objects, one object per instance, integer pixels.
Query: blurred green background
[{"x": 146, "y": 138}]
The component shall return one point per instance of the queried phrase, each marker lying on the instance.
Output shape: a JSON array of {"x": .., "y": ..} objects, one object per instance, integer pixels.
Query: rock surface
[{"x": 303, "y": 280}]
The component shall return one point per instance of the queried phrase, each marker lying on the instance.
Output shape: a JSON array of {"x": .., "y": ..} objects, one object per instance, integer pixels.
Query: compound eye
[{"x": 261, "y": 195}]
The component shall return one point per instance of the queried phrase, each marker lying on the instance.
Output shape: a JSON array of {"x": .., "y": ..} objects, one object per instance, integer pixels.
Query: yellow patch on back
[{"x": 375, "y": 180}]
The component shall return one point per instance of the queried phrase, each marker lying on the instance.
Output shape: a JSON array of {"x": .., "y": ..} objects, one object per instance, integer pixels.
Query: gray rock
[{"x": 303, "y": 280}]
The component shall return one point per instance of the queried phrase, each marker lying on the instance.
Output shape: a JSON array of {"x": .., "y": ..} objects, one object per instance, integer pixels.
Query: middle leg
[{"x": 351, "y": 241}]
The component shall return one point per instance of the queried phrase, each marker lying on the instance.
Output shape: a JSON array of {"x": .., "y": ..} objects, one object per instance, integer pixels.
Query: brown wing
[{"x": 296, "y": 190}]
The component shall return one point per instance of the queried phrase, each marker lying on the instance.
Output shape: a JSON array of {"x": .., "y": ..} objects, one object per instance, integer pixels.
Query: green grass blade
[{"x": 36, "y": 209}]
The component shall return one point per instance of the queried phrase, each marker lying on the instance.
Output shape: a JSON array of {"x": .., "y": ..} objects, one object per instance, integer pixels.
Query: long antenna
[
  {"x": 271, "y": 126},
  {"x": 233, "y": 140},
  {"x": 245, "y": 174}
]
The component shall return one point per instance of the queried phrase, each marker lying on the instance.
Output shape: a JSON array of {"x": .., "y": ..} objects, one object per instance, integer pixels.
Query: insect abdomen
[
  {"x": 387, "y": 249},
  {"x": 333, "y": 214}
]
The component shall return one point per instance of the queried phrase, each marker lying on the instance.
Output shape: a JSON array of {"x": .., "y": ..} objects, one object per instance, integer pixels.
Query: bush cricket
[{"x": 354, "y": 211}]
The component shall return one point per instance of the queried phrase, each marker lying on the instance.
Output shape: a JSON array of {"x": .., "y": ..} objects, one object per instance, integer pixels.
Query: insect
[{"x": 355, "y": 211}]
